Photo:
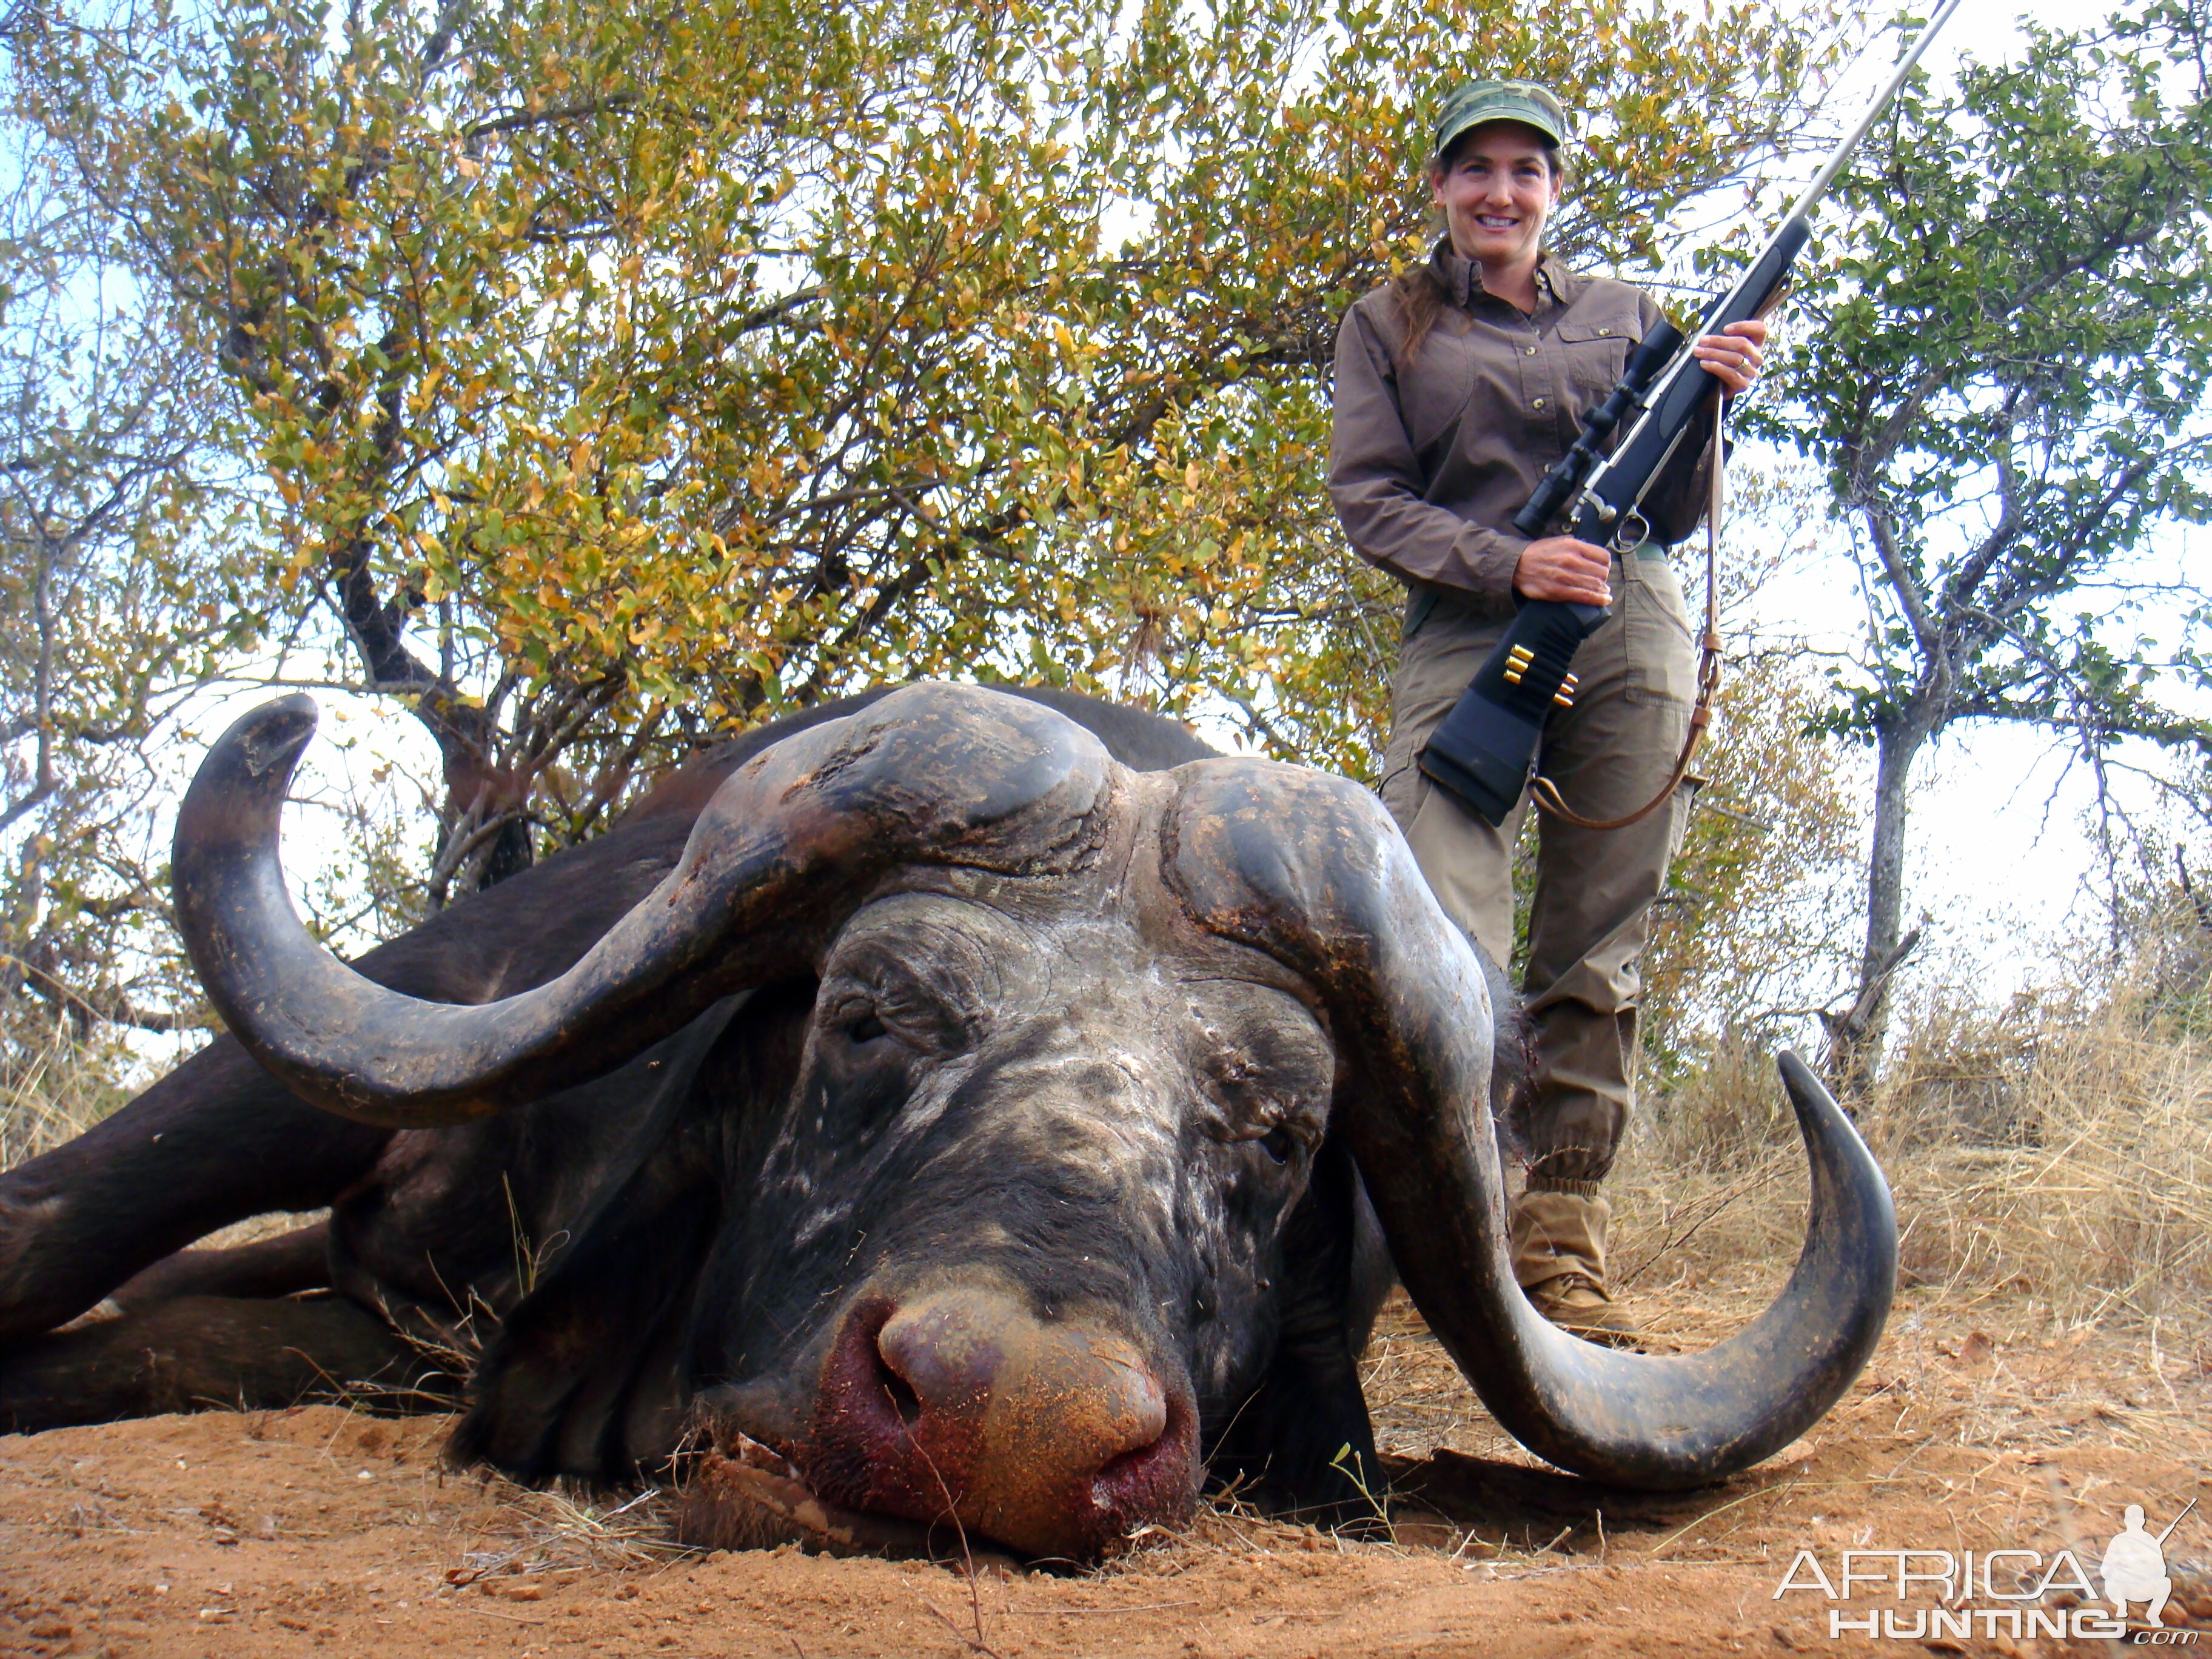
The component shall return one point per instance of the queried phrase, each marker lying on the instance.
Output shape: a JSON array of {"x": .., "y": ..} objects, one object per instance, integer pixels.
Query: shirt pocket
[
  {"x": 1433, "y": 394},
  {"x": 1595, "y": 350},
  {"x": 1663, "y": 664}
]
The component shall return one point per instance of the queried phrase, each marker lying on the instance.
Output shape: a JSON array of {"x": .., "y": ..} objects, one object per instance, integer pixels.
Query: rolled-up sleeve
[{"x": 1375, "y": 481}]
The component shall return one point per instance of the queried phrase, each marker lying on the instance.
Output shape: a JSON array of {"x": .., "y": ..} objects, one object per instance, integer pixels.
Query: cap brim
[{"x": 1534, "y": 119}]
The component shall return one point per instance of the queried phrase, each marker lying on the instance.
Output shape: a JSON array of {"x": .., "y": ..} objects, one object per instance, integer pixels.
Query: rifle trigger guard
[{"x": 1635, "y": 530}]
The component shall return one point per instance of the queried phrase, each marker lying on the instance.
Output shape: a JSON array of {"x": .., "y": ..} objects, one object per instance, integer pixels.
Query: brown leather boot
[{"x": 1557, "y": 1231}]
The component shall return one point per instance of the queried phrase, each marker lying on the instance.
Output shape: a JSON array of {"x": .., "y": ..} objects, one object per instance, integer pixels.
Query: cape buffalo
[{"x": 971, "y": 1106}]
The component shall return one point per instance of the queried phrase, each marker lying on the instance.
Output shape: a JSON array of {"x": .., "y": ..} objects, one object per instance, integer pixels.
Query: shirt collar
[
  {"x": 1556, "y": 286},
  {"x": 1462, "y": 278},
  {"x": 1564, "y": 285}
]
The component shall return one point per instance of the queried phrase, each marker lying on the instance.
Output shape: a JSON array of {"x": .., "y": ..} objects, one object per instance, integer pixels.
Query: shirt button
[
  {"x": 1540, "y": 403},
  {"x": 1532, "y": 351},
  {"x": 1605, "y": 330}
]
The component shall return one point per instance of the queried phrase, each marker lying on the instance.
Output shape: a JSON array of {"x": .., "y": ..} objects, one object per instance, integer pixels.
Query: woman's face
[{"x": 1496, "y": 193}]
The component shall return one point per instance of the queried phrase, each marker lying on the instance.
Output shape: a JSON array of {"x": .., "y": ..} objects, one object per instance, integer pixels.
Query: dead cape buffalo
[{"x": 972, "y": 1106}]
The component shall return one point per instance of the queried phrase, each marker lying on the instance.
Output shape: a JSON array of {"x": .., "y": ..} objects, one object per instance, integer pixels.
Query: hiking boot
[
  {"x": 1556, "y": 1232},
  {"x": 1581, "y": 1307}
]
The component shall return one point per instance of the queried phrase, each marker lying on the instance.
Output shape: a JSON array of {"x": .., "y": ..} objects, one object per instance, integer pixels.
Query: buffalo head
[{"x": 1070, "y": 1050}]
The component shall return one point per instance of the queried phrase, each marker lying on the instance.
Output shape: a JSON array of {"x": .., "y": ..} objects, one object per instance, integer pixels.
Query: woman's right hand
[{"x": 1561, "y": 568}]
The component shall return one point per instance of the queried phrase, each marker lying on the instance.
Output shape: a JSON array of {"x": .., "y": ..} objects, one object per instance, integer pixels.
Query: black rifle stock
[{"x": 1485, "y": 750}]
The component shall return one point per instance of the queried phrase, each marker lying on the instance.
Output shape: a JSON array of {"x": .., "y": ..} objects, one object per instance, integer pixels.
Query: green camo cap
[{"x": 1478, "y": 101}]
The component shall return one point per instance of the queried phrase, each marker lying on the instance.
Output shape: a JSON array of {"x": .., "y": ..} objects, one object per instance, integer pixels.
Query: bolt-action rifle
[{"x": 1485, "y": 751}]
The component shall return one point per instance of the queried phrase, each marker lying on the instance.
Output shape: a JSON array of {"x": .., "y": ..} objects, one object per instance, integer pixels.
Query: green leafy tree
[
  {"x": 2003, "y": 373},
  {"x": 619, "y": 374}
]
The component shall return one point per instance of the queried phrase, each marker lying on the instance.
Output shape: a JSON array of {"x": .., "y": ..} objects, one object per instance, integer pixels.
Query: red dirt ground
[{"x": 324, "y": 1532}]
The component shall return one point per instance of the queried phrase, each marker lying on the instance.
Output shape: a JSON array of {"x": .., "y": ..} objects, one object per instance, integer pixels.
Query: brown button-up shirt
[{"x": 1429, "y": 461}]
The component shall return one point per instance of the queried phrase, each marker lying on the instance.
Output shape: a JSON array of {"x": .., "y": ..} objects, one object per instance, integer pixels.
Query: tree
[
  {"x": 113, "y": 607},
  {"x": 620, "y": 374},
  {"x": 2003, "y": 373}
]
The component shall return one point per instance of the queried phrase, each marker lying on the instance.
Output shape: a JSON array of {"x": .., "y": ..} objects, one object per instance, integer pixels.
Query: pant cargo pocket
[{"x": 1655, "y": 637}]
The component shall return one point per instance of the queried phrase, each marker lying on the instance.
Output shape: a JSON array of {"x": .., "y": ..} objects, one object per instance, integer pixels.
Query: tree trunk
[
  {"x": 467, "y": 736},
  {"x": 1855, "y": 1040}
]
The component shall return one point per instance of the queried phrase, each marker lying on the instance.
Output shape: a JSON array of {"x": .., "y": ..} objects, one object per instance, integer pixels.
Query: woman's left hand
[{"x": 1733, "y": 357}]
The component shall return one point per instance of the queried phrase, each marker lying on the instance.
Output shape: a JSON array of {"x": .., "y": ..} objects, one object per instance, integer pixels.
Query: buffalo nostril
[
  {"x": 1120, "y": 1471},
  {"x": 1127, "y": 1481},
  {"x": 904, "y": 1401},
  {"x": 946, "y": 1356}
]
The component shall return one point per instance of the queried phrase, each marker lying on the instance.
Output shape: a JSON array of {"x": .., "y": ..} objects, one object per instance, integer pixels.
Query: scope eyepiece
[{"x": 1653, "y": 353}]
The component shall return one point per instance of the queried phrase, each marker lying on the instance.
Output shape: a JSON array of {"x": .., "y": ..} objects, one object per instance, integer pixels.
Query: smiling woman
[
  {"x": 1496, "y": 192},
  {"x": 1458, "y": 385}
]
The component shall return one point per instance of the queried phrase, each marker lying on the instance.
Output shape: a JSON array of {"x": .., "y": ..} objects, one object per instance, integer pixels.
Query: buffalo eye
[
  {"x": 1279, "y": 1143},
  {"x": 865, "y": 1027}
]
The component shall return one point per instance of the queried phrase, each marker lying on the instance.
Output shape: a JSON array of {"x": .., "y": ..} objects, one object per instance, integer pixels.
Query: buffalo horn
[
  {"x": 790, "y": 845},
  {"x": 1309, "y": 869}
]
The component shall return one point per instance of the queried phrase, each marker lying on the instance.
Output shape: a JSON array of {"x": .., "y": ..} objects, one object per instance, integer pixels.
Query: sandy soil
[{"x": 325, "y": 1532}]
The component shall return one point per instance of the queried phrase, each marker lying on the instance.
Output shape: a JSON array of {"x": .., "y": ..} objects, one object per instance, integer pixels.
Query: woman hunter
[{"x": 1458, "y": 383}]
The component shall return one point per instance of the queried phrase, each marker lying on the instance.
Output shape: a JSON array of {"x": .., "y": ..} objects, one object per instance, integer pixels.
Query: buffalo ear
[
  {"x": 589, "y": 1375},
  {"x": 593, "y": 1349},
  {"x": 1304, "y": 1439}
]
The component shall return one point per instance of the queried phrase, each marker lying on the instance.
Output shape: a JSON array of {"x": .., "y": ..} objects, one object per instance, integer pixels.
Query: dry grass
[
  {"x": 2080, "y": 1170},
  {"x": 54, "y": 1086},
  {"x": 568, "y": 1527},
  {"x": 2058, "y": 1148}
]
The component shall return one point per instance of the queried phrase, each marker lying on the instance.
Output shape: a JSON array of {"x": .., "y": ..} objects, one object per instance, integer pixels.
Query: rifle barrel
[
  {"x": 1842, "y": 153},
  {"x": 2176, "y": 1521},
  {"x": 1651, "y": 443}
]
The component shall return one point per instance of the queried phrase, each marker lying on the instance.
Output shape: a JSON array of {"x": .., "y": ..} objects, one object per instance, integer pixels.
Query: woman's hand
[
  {"x": 1733, "y": 357},
  {"x": 1561, "y": 567}
]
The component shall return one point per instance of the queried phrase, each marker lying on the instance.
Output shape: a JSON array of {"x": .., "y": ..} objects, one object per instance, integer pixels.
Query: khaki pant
[{"x": 1587, "y": 925}]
